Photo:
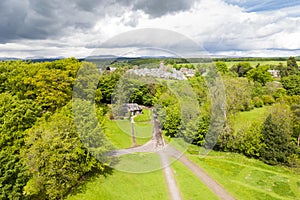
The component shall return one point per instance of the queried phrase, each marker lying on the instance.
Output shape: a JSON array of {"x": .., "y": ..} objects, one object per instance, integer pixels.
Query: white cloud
[{"x": 215, "y": 25}]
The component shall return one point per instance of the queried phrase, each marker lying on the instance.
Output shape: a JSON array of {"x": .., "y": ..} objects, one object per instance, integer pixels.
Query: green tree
[
  {"x": 15, "y": 117},
  {"x": 51, "y": 86},
  {"x": 291, "y": 84},
  {"x": 222, "y": 67},
  {"x": 56, "y": 158},
  {"x": 268, "y": 99},
  {"x": 249, "y": 142},
  {"x": 107, "y": 84},
  {"x": 241, "y": 68},
  {"x": 292, "y": 66},
  {"x": 238, "y": 94},
  {"x": 277, "y": 130},
  {"x": 260, "y": 74}
]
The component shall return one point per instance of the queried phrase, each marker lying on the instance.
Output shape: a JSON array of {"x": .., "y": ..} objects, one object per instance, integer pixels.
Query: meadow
[
  {"x": 119, "y": 131},
  {"x": 248, "y": 178},
  {"x": 242, "y": 177},
  {"x": 242, "y": 120}
]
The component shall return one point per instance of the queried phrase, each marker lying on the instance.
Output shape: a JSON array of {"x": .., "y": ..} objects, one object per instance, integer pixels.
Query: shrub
[
  {"x": 268, "y": 100},
  {"x": 258, "y": 103},
  {"x": 280, "y": 92}
]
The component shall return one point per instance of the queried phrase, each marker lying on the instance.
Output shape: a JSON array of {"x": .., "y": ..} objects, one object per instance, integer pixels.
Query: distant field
[
  {"x": 252, "y": 63},
  {"x": 250, "y": 179}
]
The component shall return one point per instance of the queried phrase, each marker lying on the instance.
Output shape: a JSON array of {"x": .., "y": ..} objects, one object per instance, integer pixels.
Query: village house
[{"x": 275, "y": 73}]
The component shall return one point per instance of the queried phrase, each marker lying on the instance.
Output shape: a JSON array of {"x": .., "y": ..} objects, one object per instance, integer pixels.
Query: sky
[{"x": 81, "y": 28}]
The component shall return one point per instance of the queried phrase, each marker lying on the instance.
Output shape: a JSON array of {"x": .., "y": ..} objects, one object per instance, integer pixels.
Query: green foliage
[
  {"x": 199, "y": 86},
  {"x": 107, "y": 84},
  {"x": 172, "y": 122},
  {"x": 238, "y": 94},
  {"x": 268, "y": 99},
  {"x": 292, "y": 67},
  {"x": 260, "y": 74},
  {"x": 279, "y": 93},
  {"x": 222, "y": 67},
  {"x": 277, "y": 131},
  {"x": 249, "y": 142},
  {"x": 258, "y": 103},
  {"x": 249, "y": 179},
  {"x": 241, "y": 68},
  {"x": 291, "y": 84},
  {"x": 55, "y": 157},
  {"x": 15, "y": 117},
  {"x": 142, "y": 95}
]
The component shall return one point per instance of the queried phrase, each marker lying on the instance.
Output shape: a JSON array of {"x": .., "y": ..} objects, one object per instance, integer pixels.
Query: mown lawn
[
  {"x": 124, "y": 186},
  {"x": 119, "y": 131},
  {"x": 250, "y": 179},
  {"x": 189, "y": 185}
]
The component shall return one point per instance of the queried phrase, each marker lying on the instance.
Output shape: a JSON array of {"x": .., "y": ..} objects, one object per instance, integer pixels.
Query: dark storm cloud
[
  {"x": 157, "y": 8},
  {"x": 38, "y": 19}
]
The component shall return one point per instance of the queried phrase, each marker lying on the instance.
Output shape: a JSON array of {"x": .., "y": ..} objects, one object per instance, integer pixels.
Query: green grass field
[
  {"x": 119, "y": 131},
  {"x": 242, "y": 177},
  {"x": 124, "y": 186},
  {"x": 252, "y": 63},
  {"x": 250, "y": 179},
  {"x": 189, "y": 185},
  {"x": 243, "y": 120}
]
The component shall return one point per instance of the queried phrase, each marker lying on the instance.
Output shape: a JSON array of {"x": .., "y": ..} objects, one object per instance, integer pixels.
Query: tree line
[{"x": 44, "y": 155}]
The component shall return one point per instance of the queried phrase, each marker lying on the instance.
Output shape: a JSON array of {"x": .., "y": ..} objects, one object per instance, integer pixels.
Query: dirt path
[
  {"x": 200, "y": 173},
  {"x": 169, "y": 177},
  {"x": 157, "y": 144}
]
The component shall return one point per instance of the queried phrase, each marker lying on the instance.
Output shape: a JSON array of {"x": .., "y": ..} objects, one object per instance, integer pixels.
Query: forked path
[
  {"x": 219, "y": 191},
  {"x": 166, "y": 151}
]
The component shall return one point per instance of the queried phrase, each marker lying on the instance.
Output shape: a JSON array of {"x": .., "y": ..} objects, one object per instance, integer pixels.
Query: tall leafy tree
[
  {"x": 277, "y": 131},
  {"x": 51, "y": 86},
  {"x": 56, "y": 158},
  {"x": 292, "y": 66},
  {"x": 291, "y": 84},
  {"x": 260, "y": 74},
  {"x": 241, "y": 68},
  {"x": 222, "y": 67},
  {"x": 15, "y": 117}
]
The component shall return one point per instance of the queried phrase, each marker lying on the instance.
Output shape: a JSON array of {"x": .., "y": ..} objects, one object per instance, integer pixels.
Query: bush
[
  {"x": 258, "y": 103},
  {"x": 249, "y": 142},
  {"x": 268, "y": 100},
  {"x": 280, "y": 92},
  {"x": 247, "y": 105}
]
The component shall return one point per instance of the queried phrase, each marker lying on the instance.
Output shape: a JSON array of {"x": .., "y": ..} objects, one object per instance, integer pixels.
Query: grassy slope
[
  {"x": 245, "y": 119},
  {"x": 119, "y": 131},
  {"x": 244, "y": 178},
  {"x": 124, "y": 186},
  {"x": 250, "y": 179}
]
